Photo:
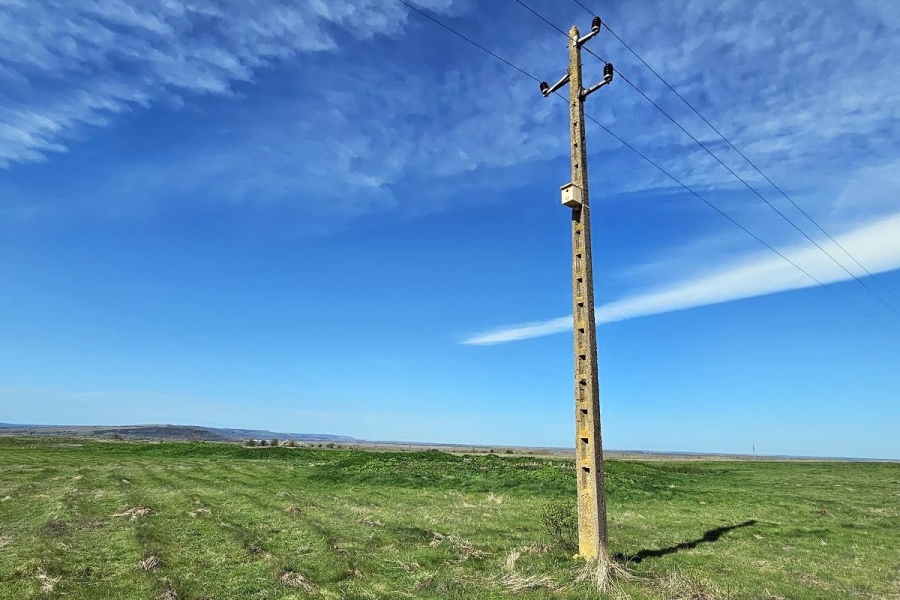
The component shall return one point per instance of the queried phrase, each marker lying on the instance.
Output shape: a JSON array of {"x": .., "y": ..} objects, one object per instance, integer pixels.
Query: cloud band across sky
[{"x": 876, "y": 245}]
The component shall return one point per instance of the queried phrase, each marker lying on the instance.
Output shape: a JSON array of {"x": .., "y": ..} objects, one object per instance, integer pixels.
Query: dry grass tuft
[
  {"x": 491, "y": 497},
  {"x": 895, "y": 590},
  {"x": 509, "y": 565},
  {"x": 151, "y": 563},
  {"x": 47, "y": 582},
  {"x": 370, "y": 521},
  {"x": 292, "y": 510},
  {"x": 425, "y": 583},
  {"x": 198, "y": 511},
  {"x": 134, "y": 513},
  {"x": 464, "y": 547},
  {"x": 680, "y": 587},
  {"x": 601, "y": 573},
  {"x": 296, "y": 580},
  {"x": 4, "y": 541},
  {"x": 516, "y": 582},
  {"x": 409, "y": 567}
]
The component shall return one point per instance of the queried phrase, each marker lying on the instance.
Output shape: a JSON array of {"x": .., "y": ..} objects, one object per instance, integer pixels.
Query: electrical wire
[
  {"x": 471, "y": 41},
  {"x": 742, "y": 155},
  {"x": 728, "y": 168},
  {"x": 655, "y": 165},
  {"x": 748, "y": 161},
  {"x": 542, "y": 18}
]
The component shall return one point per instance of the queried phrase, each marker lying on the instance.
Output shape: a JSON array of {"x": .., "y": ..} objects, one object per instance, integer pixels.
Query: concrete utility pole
[{"x": 592, "y": 537}]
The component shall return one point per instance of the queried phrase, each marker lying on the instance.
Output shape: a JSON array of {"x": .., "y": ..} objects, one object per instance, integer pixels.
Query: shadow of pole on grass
[{"x": 710, "y": 536}]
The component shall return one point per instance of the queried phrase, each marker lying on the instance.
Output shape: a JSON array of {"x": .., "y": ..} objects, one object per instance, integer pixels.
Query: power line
[
  {"x": 471, "y": 41},
  {"x": 729, "y": 169},
  {"x": 752, "y": 164},
  {"x": 744, "y": 229},
  {"x": 742, "y": 155},
  {"x": 544, "y": 19},
  {"x": 654, "y": 164}
]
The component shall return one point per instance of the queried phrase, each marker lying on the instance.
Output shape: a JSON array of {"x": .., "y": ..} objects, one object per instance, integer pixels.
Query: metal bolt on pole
[{"x": 592, "y": 535}]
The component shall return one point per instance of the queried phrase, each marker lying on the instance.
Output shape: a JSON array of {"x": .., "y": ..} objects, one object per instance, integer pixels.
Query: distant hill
[{"x": 165, "y": 432}]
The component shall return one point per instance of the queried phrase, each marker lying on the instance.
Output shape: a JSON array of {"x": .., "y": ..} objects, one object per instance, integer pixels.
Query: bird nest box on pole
[{"x": 571, "y": 195}]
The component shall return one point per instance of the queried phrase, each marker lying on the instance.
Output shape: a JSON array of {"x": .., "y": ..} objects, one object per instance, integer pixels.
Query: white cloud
[
  {"x": 83, "y": 61},
  {"x": 875, "y": 245},
  {"x": 785, "y": 82}
]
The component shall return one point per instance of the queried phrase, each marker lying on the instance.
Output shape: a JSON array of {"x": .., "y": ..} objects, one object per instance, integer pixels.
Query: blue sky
[{"x": 338, "y": 217}]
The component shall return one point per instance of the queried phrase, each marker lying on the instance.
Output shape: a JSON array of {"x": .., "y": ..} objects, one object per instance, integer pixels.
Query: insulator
[
  {"x": 596, "y": 23},
  {"x": 608, "y": 70},
  {"x": 544, "y": 88}
]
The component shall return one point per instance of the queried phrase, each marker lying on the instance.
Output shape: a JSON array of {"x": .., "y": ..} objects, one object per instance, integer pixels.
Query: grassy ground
[{"x": 231, "y": 522}]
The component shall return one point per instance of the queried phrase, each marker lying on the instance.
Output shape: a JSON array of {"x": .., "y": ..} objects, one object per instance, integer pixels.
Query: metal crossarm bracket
[
  {"x": 608, "y": 71},
  {"x": 546, "y": 90},
  {"x": 596, "y": 23}
]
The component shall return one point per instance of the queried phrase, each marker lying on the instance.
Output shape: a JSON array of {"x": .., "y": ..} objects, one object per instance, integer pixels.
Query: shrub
[
  {"x": 251, "y": 442},
  {"x": 560, "y": 519},
  {"x": 291, "y": 443},
  {"x": 273, "y": 442}
]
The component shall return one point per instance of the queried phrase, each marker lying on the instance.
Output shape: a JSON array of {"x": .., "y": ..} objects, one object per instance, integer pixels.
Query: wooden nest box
[{"x": 571, "y": 195}]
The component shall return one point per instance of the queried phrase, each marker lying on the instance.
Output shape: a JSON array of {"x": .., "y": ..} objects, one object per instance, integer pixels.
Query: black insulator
[
  {"x": 596, "y": 24},
  {"x": 544, "y": 87},
  {"x": 608, "y": 70}
]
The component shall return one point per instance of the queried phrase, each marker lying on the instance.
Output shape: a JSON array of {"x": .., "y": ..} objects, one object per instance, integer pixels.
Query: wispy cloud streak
[
  {"x": 68, "y": 66},
  {"x": 876, "y": 245}
]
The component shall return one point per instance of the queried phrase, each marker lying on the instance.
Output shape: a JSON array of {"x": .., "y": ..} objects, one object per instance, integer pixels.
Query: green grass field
[{"x": 231, "y": 522}]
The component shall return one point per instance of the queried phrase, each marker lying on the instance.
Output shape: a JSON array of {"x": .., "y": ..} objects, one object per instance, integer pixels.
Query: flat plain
[{"x": 84, "y": 519}]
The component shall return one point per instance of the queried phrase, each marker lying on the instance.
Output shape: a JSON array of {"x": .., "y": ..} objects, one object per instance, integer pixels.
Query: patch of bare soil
[
  {"x": 134, "y": 513},
  {"x": 296, "y": 580},
  {"x": 169, "y": 593},
  {"x": 57, "y": 528}
]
